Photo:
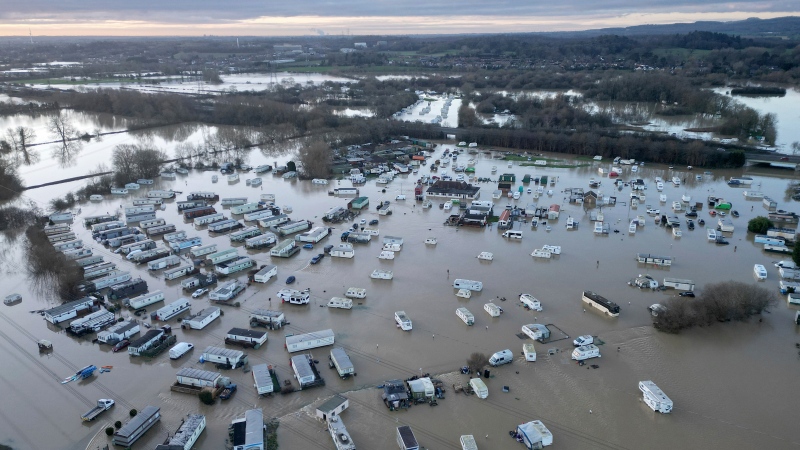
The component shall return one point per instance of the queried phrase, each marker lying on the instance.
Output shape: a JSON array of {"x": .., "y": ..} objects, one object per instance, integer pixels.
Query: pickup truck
[
  {"x": 228, "y": 392},
  {"x": 103, "y": 405}
]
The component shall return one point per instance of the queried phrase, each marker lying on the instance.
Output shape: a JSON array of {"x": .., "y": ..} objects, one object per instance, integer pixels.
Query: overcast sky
[{"x": 270, "y": 17}]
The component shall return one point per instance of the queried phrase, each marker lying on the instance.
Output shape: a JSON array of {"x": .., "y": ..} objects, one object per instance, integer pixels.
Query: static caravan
[
  {"x": 163, "y": 263},
  {"x": 234, "y": 265},
  {"x": 183, "y": 244},
  {"x": 203, "y": 250},
  {"x": 468, "y": 442},
  {"x": 93, "y": 322},
  {"x": 190, "y": 204},
  {"x": 98, "y": 270},
  {"x": 178, "y": 272},
  {"x": 468, "y": 284},
  {"x": 241, "y": 235},
  {"x": 171, "y": 310},
  {"x": 125, "y": 240},
  {"x": 536, "y": 331},
  {"x": 677, "y": 283},
  {"x": 137, "y": 426},
  {"x": 294, "y": 297},
  {"x": 246, "y": 338},
  {"x": 68, "y": 310},
  {"x": 265, "y": 274},
  {"x": 262, "y": 379},
  {"x": 226, "y": 291},
  {"x": 258, "y": 214},
  {"x": 261, "y": 241},
  {"x": 466, "y": 316},
  {"x": 200, "y": 211},
  {"x": 305, "y": 371},
  {"x": 201, "y": 319},
  {"x": 104, "y": 236},
  {"x": 246, "y": 208},
  {"x": 57, "y": 228},
  {"x": 118, "y": 332},
  {"x": 150, "y": 339},
  {"x": 341, "y": 361},
  {"x": 160, "y": 194},
  {"x": 91, "y": 220},
  {"x": 267, "y": 318},
  {"x": 88, "y": 261},
  {"x": 315, "y": 235},
  {"x": 529, "y": 351},
  {"x": 477, "y": 385},
  {"x": 196, "y": 377},
  {"x": 145, "y": 299},
  {"x": 233, "y": 201},
  {"x": 406, "y": 439},
  {"x": 161, "y": 229},
  {"x": 654, "y": 397},
  {"x": 96, "y": 228},
  {"x": 308, "y": 341},
  {"x": 285, "y": 248},
  {"x": 211, "y": 218},
  {"x": 127, "y": 289},
  {"x": 144, "y": 224},
  {"x": 68, "y": 245},
  {"x": 210, "y": 196},
  {"x": 141, "y": 217},
  {"x": 146, "y": 201},
  {"x": 148, "y": 255},
  {"x": 233, "y": 358},
  {"x": 175, "y": 236},
  {"x": 138, "y": 209},
  {"x": 585, "y": 352},
  {"x": 492, "y": 309},
  {"x": 223, "y": 255},
  {"x": 61, "y": 237},
  {"x": 273, "y": 221},
  {"x": 110, "y": 279},
  {"x": 77, "y": 253},
  {"x": 224, "y": 225},
  {"x": 725, "y": 225},
  {"x": 198, "y": 281},
  {"x": 534, "y": 434},
  {"x": 293, "y": 227},
  {"x": 343, "y": 251}
]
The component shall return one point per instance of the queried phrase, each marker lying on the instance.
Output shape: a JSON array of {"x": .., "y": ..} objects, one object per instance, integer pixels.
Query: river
[{"x": 729, "y": 382}]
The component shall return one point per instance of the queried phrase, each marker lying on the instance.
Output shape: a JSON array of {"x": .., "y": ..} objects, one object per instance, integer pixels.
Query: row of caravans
[{"x": 207, "y": 219}]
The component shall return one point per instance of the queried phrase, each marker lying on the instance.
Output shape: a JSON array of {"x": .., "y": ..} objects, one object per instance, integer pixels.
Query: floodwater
[
  {"x": 730, "y": 382},
  {"x": 415, "y": 113},
  {"x": 785, "y": 110}
]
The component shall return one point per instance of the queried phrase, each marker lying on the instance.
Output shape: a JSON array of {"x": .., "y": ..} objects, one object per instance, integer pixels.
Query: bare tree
[
  {"x": 315, "y": 159},
  {"x": 477, "y": 361},
  {"x": 20, "y": 139},
  {"x": 68, "y": 145},
  {"x": 132, "y": 162}
]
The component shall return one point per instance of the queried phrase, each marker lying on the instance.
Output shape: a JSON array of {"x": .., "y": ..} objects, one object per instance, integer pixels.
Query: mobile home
[
  {"x": 243, "y": 234},
  {"x": 211, "y": 218},
  {"x": 466, "y": 316},
  {"x": 203, "y": 250},
  {"x": 233, "y": 358},
  {"x": 246, "y": 337},
  {"x": 160, "y": 194},
  {"x": 110, "y": 279},
  {"x": 163, "y": 263},
  {"x": 258, "y": 214},
  {"x": 492, "y": 309},
  {"x": 273, "y": 221},
  {"x": 406, "y": 439},
  {"x": 293, "y": 227},
  {"x": 97, "y": 270},
  {"x": 226, "y": 291},
  {"x": 93, "y": 322},
  {"x": 200, "y": 211},
  {"x": 308, "y": 341},
  {"x": 267, "y": 318},
  {"x": 285, "y": 249},
  {"x": 201, "y": 319},
  {"x": 183, "y": 244},
  {"x": 262, "y": 378},
  {"x": 655, "y": 398},
  {"x": 467, "y": 284},
  {"x": 69, "y": 310},
  {"x": 210, "y": 196},
  {"x": 190, "y": 204},
  {"x": 161, "y": 229},
  {"x": 223, "y": 255},
  {"x": 677, "y": 283},
  {"x": 234, "y": 265},
  {"x": 233, "y": 201},
  {"x": 118, "y": 332},
  {"x": 245, "y": 208},
  {"x": 315, "y": 235},
  {"x": 175, "y": 236},
  {"x": 341, "y": 361},
  {"x": 261, "y": 241},
  {"x": 144, "y": 224},
  {"x": 305, "y": 371},
  {"x": 137, "y": 426},
  {"x": 171, "y": 310},
  {"x": 265, "y": 273},
  {"x": 178, "y": 272},
  {"x": 141, "y": 217},
  {"x": 529, "y": 351},
  {"x": 223, "y": 226},
  {"x": 534, "y": 435},
  {"x": 343, "y": 251},
  {"x": 145, "y": 299},
  {"x": 128, "y": 288}
]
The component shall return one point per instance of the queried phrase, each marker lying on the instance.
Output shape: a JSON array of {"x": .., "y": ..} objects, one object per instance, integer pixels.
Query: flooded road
[{"x": 730, "y": 382}]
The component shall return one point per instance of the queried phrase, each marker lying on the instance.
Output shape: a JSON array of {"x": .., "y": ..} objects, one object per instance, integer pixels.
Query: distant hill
[{"x": 780, "y": 26}]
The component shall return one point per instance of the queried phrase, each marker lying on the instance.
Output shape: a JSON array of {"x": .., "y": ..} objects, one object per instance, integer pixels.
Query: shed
[
  {"x": 332, "y": 407},
  {"x": 197, "y": 377},
  {"x": 553, "y": 212},
  {"x": 245, "y": 337}
]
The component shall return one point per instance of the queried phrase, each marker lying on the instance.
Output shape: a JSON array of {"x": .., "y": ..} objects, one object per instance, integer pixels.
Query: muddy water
[{"x": 709, "y": 373}]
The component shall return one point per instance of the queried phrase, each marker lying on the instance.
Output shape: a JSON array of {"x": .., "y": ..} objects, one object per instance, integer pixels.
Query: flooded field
[{"x": 714, "y": 375}]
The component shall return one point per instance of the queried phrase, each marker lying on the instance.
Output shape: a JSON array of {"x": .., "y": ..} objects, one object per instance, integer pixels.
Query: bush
[
  {"x": 133, "y": 412},
  {"x": 110, "y": 431},
  {"x": 477, "y": 361},
  {"x": 759, "y": 225},
  {"x": 206, "y": 396},
  {"x": 118, "y": 424}
]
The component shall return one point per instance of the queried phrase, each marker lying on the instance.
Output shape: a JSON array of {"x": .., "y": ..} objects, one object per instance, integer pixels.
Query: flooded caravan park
[{"x": 708, "y": 372}]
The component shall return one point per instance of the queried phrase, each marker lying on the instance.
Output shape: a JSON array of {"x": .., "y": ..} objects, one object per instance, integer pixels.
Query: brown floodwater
[{"x": 732, "y": 384}]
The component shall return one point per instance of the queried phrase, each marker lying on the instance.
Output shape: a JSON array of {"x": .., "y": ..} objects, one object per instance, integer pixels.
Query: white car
[
  {"x": 199, "y": 292},
  {"x": 580, "y": 341},
  {"x": 400, "y": 197},
  {"x": 653, "y": 211}
]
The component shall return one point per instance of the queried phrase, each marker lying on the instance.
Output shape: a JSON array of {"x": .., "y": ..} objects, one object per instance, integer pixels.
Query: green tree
[
  {"x": 291, "y": 166},
  {"x": 110, "y": 431},
  {"x": 759, "y": 225},
  {"x": 133, "y": 412},
  {"x": 206, "y": 396}
]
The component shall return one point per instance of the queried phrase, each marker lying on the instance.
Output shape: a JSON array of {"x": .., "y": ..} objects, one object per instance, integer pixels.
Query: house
[
  {"x": 590, "y": 198},
  {"x": 454, "y": 189},
  {"x": 395, "y": 395},
  {"x": 553, "y": 212},
  {"x": 332, "y": 407}
]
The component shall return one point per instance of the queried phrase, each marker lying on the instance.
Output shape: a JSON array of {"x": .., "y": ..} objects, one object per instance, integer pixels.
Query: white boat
[
  {"x": 662, "y": 198},
  {"x": 632, "y": 227},
  {"x": 379, "y": 274},
  {"x": 132, "y": 186},
  {"x": 486, "y": 256},
  {"x": 214, "y": 178},
  {"x": 119, "y": 191},
  {"x": 676, "y": 232},
  {"x": 386, "y": 255},
  {"x": 233, "y": 177},
  {"x": 338, "y": 302},
  {"x": 676, "y": 181},
  {"x": 96, "y": 198},
  {"x": 686, "y": 198},
  {"x": 659, "y": 186},
  {"x": 711, "y": 234},
  {"x": 530, "y": 302},
  {"x": 319, "y": 181},
  {"x": 676, "y": 206},
  {"x": 403, "y": 322},
  {"x": 464, "y": 293},
  {"x": 354, "y": 292},
  {"x": 430, "y": 241}
]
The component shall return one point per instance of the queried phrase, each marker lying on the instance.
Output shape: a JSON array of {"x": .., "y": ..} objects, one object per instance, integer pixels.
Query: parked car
[
  {"x": 690, "y": 224},
  {"x": 691, "y": 214},
  {"x": 120, "y": 345},
  {"x": 199, "y": 292},
  {"x": 308, "y": 246},
  {"x": 400, "y": 197},
  {"x": 317, "y": 258},
  {"x": 687, "y": 294},
  {"x": 373, "y": 222}
]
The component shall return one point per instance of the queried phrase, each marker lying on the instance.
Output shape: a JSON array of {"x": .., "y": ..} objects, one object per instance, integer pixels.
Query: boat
[
  {"x": 232, "y": 178},
  {"x": 338, "y": 302},
  {"x": 464, "y": 293},
  {"x": 96, "y": 198},
  {"x": 290, "y": 280},
  {"x": 662, "y": 198},
  {"x": 11, "y": 299},
  {"x": 632, "y": 227},
  {"x": 686, "y": 198},
  {"x": 214, "y": 178},
  {"x": 430, "y": 241},
  {"x": 676, "y": 181},
  {"x": 676, "y": 232},
  {"x": 486, "y": 256},
  {"x": 659, "y": 186},
  {"x": 403, "y": 322},
  {"x": 119, "y": 191}
]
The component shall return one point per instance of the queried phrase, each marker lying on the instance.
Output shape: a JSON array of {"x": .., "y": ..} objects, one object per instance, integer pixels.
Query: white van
[
  {"x": 586, "y": 352},
  {"x": 586, "y": 339},
  {"x": 513, "y": 234},
  {"x": 501, "y": 357},
  {"x": 180, "y": 349},
  {"x": 132, "y": 254}
]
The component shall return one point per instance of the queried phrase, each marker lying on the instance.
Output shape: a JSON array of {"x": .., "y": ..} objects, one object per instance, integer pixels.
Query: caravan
[
  {"x": 513, "y": 234},
  {"x": 467, "y": 284}
]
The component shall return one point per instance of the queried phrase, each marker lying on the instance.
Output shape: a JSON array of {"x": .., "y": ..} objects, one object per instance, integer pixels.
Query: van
[
  {"x": 513, "y": 234},
  {"x": 586, "y": 352},
  {"x": 180, "y": 349},
  {"x": 501, "y": 357},
  {"x": 132, "y": 254},
  {"x": 586, "y": 339}
]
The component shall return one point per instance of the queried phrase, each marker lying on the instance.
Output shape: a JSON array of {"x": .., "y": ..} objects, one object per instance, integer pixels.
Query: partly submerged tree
[
  {"x": 19, "y": 140},
  {"x": 759, "y": 225},
  {"x": 68, "y": 143},
  {"x": 315, "y": 159}
]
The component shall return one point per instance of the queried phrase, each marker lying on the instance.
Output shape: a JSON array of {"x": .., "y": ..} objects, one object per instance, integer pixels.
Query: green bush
[
  {"x": 118, "y": 424},
  {"x": 110, "y": 431},
  {"x": 206, "y": 397},
  {"x": 133, "y": 412},
  {"x": 759, "y": 225}
]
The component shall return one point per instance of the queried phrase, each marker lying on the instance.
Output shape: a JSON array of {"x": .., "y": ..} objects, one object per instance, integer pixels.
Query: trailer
[
  {"x": 128, "y": 288},
  {"x": 211, "y": 218},
  {"x": 201, "y": 319},
  {"x": 341, "y": 362},
  {"x": 223, "y": 255},
  {"x": 285, "y": 249},
  {"x": 314, "y": 235},
  {"x": 267, "y": 318},
  {"x": 144, "y": 224},
  {"x": 467, "y": 284},
  {"x": 679, "y": 284},
  {"x": 235, "y": 265},
  {"x": 198, "y": 378},
  {"x": 233, "y": 201},
  {"x": 655, "y": 398},
  {"x": 178, "y": 272},
  {"x": 534, "y": 435},
  {"x": 92, "y": 323},
  {"x": 468, "y": 442},
  {"x": 201, "y": 211},
  {"x": 141, "y": 217},
  {"x": 529, "y": 351},
  {"x": 308, "y": 341},
  {"x": 265, "y": 240},
  {"x": 294, "y": 297},
  {"x": 263, "y": 379},
  {"x": 173, "y": 309},
  {"x": 203, "y": 250},
  {"x": 98, "y": 270},
  {"x": 161, "y": 229},
  {"x": 199, "y": 281},
  {"x": 406, "y": 439},
  {"x": 222, "y": 356},
  {"x": 119, "y": 331},
  {"x": 466, "y": 316},
  {"x": 265, "y": 273},
  {"x": 110, "y": 279},
  {"x": 103, "y": 405},
  {"x": 137, "y": 426},
  {"x": 273, "y": 221},
  {"x": 163, "y": 263},
  {"x": 143, "y": 300},
  {"x": 306, "y": 372},
  {"x": 224, "y": 226},
  {"x": 243, "y": 234},
  {"x": 226, "y": 291},
  {"x": 246, "y": 338}
]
